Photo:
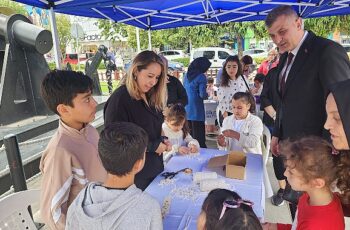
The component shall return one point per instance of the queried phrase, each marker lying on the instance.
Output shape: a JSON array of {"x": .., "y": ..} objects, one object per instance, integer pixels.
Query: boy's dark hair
[
  {"x": 121, "y": 144},
  {"x": 277, "y": 12},
  {"x": 259, "y": 77},
  {"x": 312, "y": 157},
  {"x": 62, "y": 86},
  {"x": 241, "y": 218},
  {"x": 248, "y": 98},
  {"x": 210, "y": 80}
]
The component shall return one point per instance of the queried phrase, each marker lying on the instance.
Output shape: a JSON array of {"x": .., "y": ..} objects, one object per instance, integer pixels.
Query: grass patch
[{"x": 104, "y": 86}]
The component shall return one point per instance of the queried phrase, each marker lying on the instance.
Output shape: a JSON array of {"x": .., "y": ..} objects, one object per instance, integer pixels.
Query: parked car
[
  {"x": 254, "y": 53},
  {"x": 73, "y": 58},
  {"x": 347, "y": 48},
  {"x": 216, "y": 55},
  {"x": 173, "y": 54},
  {"x": 175, "y": 66},
  {"x": 172, "y": 66}
]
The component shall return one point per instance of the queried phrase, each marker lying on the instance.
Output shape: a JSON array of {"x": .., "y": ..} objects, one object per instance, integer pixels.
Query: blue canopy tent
[{"x": 164, "y": 14}]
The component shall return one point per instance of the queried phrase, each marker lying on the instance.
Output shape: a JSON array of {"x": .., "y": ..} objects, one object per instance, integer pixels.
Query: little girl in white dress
[{"x": 175, "y": 128}]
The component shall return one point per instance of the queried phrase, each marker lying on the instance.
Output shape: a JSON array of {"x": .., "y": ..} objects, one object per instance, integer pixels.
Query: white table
[{"x": 180, "y": 209}]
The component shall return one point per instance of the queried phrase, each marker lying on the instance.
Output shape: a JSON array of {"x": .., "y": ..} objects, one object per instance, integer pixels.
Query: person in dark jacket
[
  {"x": 176, "y": 91},
  {"x": 195, "y": 83},
  {"x": 140, "y": 99},
  {"x": 308, "y": 66}
]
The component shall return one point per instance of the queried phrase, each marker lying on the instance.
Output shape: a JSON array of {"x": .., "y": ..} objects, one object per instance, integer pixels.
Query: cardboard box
[{"x": 233, "y": 163}]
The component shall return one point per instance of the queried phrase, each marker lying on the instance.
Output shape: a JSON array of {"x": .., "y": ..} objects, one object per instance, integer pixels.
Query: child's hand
[
  {"x": 184, "y": 150},
  {"x": 193, "y": 148},
  {"x": 221, "y": 140},
  {"x": 230, "y": 133}
]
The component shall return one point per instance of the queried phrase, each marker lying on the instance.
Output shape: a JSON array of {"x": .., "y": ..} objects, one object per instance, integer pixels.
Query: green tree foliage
[
  {"x": 63, "y": 29},
  {"x": 209, "y": 35},
  {"x": 322, "y": 26},
  {"x": 16, "y": 7}
]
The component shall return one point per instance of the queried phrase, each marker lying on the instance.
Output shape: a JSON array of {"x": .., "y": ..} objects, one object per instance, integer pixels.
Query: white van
[{"x": 216, "y": 55}]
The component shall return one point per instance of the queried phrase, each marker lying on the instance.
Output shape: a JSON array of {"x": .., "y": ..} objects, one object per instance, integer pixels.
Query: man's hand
[
  {"x": 225, "y": 114},
  {"x": 274, "y": 146},
  {"x": 221, "y": 140}
]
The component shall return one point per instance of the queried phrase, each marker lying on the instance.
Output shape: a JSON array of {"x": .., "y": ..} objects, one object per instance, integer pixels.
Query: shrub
[
  {"x": 258, "y": 60},
  {"x": 185, "y": 61}
]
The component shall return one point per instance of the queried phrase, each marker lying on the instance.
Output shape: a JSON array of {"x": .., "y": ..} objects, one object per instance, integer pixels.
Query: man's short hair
[
  {"x": 277, "y": 12},
  {"x": 62, "y": 86},
  {"x": 121, "y": 144}
]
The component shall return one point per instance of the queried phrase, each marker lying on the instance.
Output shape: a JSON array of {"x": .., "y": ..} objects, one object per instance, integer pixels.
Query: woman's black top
[{"x": 121, "y": 107}]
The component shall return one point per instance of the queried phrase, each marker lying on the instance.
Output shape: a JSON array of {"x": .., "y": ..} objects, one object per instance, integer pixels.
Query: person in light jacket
[{"x": 242, "y": 130}]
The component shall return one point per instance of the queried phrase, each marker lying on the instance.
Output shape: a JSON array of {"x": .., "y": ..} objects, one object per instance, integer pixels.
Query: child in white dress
[{"x": 175, "y": 128}]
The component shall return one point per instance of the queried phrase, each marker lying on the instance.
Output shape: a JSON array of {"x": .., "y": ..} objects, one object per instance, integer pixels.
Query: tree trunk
[{"x": 239, "y": 46}]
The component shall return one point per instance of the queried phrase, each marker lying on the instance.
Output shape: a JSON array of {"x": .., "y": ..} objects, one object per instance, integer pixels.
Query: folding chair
[
  {"x": 265, "y": 147},
  {"x": 14, "y": 213}
]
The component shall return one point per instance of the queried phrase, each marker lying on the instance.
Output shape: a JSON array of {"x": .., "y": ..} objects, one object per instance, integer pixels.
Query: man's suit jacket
[
  {"x": 270, "y": 95},
  {"x": 318, "y": 64}
]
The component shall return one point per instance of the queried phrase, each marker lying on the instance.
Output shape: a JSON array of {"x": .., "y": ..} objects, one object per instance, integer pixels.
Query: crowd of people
[{"x": 97, "y": 181}]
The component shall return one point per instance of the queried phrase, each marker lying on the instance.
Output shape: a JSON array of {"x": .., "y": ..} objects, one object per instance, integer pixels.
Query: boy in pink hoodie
[{"x": 71, "y": 159}]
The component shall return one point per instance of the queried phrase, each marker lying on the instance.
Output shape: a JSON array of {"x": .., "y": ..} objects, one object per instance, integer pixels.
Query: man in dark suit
[{"x": 308, "y": 66}]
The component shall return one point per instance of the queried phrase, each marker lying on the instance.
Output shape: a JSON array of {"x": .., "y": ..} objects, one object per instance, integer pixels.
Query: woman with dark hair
[
  {"x": 226, "y": 210},
  {"x": 232, "y": 81},
  {"x": 195, "y": 83},
  {"x": 338, "y": 124}
]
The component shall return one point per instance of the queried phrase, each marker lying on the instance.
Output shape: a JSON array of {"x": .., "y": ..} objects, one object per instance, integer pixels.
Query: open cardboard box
[{"x": 234, "y": 164}]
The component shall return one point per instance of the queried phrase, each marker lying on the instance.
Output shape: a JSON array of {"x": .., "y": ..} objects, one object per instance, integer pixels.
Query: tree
[
  {"x": 63, "y": 30},
  {"x": 240, "y": 29},
  {"x": 16, "y": 7},
  {"x": 322, "y": 26}
]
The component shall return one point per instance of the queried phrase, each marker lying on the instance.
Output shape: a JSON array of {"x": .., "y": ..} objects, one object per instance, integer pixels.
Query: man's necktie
[{"x": 283, "y": 79}]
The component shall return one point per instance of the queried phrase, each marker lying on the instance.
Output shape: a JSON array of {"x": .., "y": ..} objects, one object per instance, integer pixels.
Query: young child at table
[
  {"x": 226, "y": 210},
  {"x": 242, "y": 130},
  {"x": 211, "y": 89},
  {"x": 117, "y": 203},
  {"x": 175, "y": 127},
  {"x": 312, "y": 167},
  {"x": 70, "y": 159}
]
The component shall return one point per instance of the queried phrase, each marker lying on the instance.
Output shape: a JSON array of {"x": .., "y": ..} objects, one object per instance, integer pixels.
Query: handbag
[{"x": 246, "y": 84}]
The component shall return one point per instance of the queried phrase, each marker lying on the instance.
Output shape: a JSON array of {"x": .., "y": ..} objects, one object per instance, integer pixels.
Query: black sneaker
[
  {"x": 277, "y": 199},
  {"x": 291, "y": 195}
]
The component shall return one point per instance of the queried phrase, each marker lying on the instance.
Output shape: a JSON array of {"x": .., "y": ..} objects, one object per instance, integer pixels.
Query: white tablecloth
[{"x": 180, "y": 209}]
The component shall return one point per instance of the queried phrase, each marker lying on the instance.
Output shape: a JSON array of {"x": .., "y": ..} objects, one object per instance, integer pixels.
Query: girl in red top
[{"x": 311, "y": 166}]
